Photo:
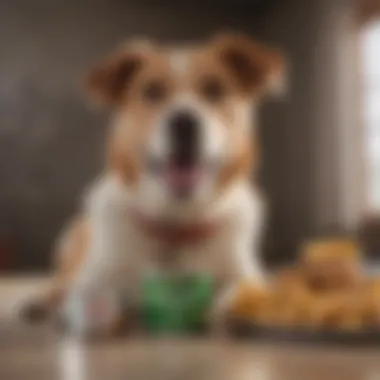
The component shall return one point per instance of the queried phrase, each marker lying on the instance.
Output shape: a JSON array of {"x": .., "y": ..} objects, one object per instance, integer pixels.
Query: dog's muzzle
[
  {"x": 184, "y": 139},
  {"x": 184, "y": 169},
  {"x": 184, "y": 164}
]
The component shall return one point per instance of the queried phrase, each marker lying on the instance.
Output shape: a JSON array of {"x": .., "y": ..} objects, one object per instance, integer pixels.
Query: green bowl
[{"x": 176, "y": 303}]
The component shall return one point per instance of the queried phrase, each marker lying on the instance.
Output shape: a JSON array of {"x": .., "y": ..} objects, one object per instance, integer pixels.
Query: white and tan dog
[{"x": 178, "y": 191}]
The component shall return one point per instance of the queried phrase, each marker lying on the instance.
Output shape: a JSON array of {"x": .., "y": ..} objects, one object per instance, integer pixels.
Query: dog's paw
[
  {"x": 33, "y": 311},
  {"x": 97, "y": 314}
]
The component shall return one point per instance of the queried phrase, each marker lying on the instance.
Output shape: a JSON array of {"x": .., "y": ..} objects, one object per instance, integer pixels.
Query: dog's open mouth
[{"x": 182, "y": 178}]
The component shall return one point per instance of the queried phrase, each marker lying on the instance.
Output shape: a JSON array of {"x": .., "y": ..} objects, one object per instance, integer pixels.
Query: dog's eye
[
  {"x": 154, "y": 91},
  {"x": 212, "y": 90}
]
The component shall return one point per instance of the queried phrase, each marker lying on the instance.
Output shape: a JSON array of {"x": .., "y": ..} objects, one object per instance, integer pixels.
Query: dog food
[{"x": 326, "y": 289}]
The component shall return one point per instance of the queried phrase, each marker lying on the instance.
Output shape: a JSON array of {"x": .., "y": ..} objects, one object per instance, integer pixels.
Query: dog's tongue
[{"x": 182, "y": 178}]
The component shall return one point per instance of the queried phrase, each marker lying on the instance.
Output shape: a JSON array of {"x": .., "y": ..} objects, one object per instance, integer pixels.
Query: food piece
[
  {"x": 320, "y": 250},
  {"x": 275, "y": 305},
  {"x": 367, "y": 300},
  {"x": 372, "y": 287},
  {"x": 294, "y": 310},
  {"x": 370, "y": 315},
  {"x": 249, "y": 301},
  {"x": 335, "y": 311},
  {"x": 290, "y": 298},
  {"x": 331, "y": 264},
  {"x": 290, "y": 278}
]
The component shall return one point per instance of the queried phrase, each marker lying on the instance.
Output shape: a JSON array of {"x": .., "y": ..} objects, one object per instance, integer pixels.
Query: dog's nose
[{"x": 184, "y": 131}]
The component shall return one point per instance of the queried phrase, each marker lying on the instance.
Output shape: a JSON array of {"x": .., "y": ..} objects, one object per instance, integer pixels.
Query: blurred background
[{"x": 321, "y": 143}]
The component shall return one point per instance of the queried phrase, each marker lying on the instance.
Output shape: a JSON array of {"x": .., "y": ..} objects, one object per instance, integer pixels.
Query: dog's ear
[
  {"x": 256, "y": 68},
  {"x": 108, "y": 81}
]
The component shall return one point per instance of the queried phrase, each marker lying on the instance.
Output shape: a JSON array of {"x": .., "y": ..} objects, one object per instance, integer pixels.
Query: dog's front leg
[
  {"x": 245, "y": 267},
  {"x": 92, "y": 302}
]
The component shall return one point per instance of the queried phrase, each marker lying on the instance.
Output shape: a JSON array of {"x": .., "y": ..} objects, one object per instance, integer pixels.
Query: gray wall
[
  {"x": 312, "y": 143},
  {"x": 286, "y": 130},
  {"x": 51, "y": 144}
]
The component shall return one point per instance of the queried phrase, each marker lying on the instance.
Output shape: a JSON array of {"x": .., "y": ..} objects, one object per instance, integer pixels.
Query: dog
[{"x": 178, "y": 192}]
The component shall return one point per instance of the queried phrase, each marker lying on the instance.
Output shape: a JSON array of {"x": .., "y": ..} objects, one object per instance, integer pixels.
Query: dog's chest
[{"x": 144, "y": 255}]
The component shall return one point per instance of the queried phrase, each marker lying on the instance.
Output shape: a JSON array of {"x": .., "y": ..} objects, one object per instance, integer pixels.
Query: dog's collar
[{"x": 176, "y": 234}]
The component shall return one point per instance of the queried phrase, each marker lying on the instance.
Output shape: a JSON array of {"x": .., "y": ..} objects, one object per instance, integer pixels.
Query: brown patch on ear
[
  {"x": 245, "y": 164},
  {"x": 108, "y": 81},
  {"x": 251, "y": 64}
]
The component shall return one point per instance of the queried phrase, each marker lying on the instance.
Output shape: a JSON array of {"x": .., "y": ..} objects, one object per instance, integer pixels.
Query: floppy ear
[
  {"x": 256, "y": 68},
  {"x": 108, "y": 81}
]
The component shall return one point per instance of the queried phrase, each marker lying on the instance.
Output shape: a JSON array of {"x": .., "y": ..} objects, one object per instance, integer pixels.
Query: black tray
[{"x": 249, "y": 331}]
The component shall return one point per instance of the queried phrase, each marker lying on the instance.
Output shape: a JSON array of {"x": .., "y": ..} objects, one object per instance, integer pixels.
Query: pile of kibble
[{"x": 327, "y": 288}]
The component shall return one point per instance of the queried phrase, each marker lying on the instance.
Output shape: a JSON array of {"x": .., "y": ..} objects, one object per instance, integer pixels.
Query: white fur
[
  {"x": 121, "y": 255},
  {"x": 179, "y": 62}
]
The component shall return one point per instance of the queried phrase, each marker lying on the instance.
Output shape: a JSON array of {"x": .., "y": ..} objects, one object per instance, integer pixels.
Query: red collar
[{"x": 176, "y": 234}]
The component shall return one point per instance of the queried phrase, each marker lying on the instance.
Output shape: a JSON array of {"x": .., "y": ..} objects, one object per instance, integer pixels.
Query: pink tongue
[{"x": 182, "y": 178}]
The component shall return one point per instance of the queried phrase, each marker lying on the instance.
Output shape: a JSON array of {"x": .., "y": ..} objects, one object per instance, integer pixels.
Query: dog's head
[{"x": 183, "y": 116}]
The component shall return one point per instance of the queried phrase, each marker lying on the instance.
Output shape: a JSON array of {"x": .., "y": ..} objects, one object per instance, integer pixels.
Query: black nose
[{"x": 184, "y": 129}]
